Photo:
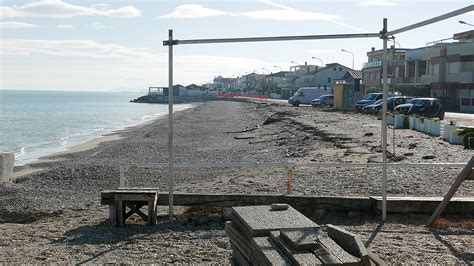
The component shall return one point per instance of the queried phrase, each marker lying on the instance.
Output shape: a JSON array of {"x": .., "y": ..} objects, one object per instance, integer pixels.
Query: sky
[{"x": 118, "y": 45}]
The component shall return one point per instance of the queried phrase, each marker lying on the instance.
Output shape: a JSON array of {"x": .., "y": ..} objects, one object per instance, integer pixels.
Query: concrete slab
[
  {"x": 425, "y": 204},
  {"x": 349, "y": 242},
  {"x": 301, "y": 238},
  {"x": 338, "y": 251},
  {"x": 267, "y": 251},
  {"x": 297, "y": 257},
  {"x": 260, "y": 220}
]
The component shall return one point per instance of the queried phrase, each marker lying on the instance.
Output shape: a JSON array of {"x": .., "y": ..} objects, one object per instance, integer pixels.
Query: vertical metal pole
[
  {"x": 384, "y": 122},
  {"x": 170, "y": 126}
]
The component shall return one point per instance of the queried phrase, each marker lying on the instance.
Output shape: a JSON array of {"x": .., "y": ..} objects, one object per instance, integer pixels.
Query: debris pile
[{"x": 279, "y": 234}]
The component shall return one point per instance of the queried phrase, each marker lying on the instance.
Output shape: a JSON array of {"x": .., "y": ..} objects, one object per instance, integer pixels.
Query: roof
[
  {"x": 279, "y": 74},
  {"x": 355, "y": 74}
]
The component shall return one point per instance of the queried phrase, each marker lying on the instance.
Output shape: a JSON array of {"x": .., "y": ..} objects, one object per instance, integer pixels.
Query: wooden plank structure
[
  {"x": 135, "y": 199},
  {"x": 466, "y": 174},
  {"x": 267, "y": 235}
]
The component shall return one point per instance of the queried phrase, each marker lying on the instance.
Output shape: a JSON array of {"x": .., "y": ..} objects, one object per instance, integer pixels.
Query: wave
[{"x": 20, "y": 152}]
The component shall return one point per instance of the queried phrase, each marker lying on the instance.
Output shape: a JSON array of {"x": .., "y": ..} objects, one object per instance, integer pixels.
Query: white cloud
[
  {"x": 285, "y": 13},
  {"x": 193, "y": 11},
  {"x": 60, "y": 9},
  {"x": 85, "y": 63},
  {"x": 7, "y": 12},
  {"x": 64, "y": 26},
  {"x": 15, "y": 25},
  {"x": 377, "y": 3},
  {"x": 293, "y": 15},
  {"x": 98, "y": 26}
]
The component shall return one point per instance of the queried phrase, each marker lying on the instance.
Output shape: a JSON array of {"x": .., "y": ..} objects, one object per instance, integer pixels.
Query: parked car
[
  {"x": 322, "y": 101},
  {"x": 305, "y": 95},
  {"x": 369, "y": 109},
  {"x": 391, "y": 103},
  {"x": 427, "y": 107},
  {"x": 372, "y": 98}
]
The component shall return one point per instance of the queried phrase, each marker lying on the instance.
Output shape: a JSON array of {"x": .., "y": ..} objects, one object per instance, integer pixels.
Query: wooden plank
[
  {"x": 457, "y": 183},
  {"x": 266, "y": 252}
]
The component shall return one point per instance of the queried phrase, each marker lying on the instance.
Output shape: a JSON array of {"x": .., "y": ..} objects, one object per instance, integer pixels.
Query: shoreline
[
  {"x": 55, "y": 216},
  {"x": 41, "y": 163}
]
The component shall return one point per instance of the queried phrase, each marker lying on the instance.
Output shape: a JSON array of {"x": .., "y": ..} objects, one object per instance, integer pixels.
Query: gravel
[{"x": 53, "y": 215}]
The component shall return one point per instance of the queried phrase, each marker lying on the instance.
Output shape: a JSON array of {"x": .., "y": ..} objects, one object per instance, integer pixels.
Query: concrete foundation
[{"x": 6, "y": 167}]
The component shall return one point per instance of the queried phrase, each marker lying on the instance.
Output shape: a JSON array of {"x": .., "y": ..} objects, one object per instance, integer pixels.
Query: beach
[{"x": 51, "y": 213}]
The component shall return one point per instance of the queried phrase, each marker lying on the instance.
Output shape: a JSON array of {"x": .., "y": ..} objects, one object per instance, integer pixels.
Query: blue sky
[{"x": 117, "y": 45}]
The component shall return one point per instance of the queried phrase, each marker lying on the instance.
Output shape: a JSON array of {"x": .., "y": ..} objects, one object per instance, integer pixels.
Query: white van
[{"x": 305, "y": 95}]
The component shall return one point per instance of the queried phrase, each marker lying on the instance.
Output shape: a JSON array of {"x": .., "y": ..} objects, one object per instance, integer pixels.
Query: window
[
  {"x": 334, "y": 69},
  {"x": 435, "y": 70},
  {"x": 340, "y": 68},
  {"x": 329, "y": 80},
  {"x": 467, "y": 66},
  {"x": 452, "y": 68}
]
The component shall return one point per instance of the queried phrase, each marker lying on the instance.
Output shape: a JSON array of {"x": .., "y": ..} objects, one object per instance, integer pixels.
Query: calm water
[{"x": 37, "y": 123}]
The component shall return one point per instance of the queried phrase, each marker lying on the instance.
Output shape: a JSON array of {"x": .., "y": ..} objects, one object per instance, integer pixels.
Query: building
[
  {"x": 373, "y": 69},
  {"x": 444, "y": 71},
  {"x": 252, "y": 82},
  {"x": 348, "y": 90},
  {"x": 224, "y": 84}
]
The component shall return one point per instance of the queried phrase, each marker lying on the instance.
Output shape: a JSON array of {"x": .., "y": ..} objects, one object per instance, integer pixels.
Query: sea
[{"x": 38, "y": 123}]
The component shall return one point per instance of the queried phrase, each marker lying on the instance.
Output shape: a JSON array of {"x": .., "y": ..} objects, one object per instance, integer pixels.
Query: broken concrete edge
[{"x": 350, "y": 242}]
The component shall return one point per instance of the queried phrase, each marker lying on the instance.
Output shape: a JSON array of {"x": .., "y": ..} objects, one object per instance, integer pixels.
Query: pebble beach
[{"x": 51, "y": 213}]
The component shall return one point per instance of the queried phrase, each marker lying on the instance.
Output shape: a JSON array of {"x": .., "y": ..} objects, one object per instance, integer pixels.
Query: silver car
[{"x": 324, "y": 100}]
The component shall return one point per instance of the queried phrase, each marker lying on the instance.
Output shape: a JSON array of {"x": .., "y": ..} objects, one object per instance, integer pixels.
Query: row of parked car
[
  {"x": 372, "y": 103},
  {"x": 397, "y": 103}
]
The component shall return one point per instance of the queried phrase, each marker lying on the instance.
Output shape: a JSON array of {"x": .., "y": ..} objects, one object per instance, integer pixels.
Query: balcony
[
  {"x": 372, "y": 64},
  {"x": 461, "y": 77}
]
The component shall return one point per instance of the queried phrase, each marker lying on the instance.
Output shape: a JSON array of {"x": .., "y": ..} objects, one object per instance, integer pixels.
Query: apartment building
[
  {"x": 373, "y": 69},
  {"x": 444, "y": 71}
]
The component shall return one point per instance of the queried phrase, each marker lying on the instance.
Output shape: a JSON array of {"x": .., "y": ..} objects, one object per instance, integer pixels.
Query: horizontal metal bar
[
  {"x": 432, "y": 20},
  {"x": 308, "y": 164},
  {"x": 273, "y": 39}
]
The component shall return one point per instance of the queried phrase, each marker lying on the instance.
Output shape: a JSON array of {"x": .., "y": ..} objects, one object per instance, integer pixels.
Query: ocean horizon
[{"x": 35, "y": 124}]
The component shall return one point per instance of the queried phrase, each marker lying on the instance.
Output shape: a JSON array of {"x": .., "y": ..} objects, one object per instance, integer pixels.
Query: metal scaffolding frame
[{"x": 384, "y": 34}]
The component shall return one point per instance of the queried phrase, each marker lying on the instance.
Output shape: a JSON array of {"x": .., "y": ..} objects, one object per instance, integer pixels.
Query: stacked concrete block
[
  {"x": 6, "y": 167},
  {"x": 260, "y": 235}
]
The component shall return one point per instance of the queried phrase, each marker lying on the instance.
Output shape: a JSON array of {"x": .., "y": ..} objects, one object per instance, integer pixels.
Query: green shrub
[{"x": 467, "y": 133}]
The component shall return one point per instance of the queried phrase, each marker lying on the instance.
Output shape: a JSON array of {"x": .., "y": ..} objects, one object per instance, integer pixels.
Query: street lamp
[
  {"x": 278, "y": 67},
  {"x": 463, "y": 22},
  {"x": 266, "y": 69},
  {"x": 352, "y": 56},
  {"x": 295, "y": 62},
  {"x": 320, "y": 60}
]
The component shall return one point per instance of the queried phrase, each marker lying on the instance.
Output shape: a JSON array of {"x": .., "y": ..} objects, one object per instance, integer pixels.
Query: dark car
[
  {"x": 369, "y": 109},
  {"x": 372, "y": 98},
  {"x": 391, "y": 103},
  {"x": 427, "y": 107}
]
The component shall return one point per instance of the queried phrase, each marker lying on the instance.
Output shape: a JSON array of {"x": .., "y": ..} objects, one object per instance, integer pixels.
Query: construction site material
[{"x": 260, "y": 235}]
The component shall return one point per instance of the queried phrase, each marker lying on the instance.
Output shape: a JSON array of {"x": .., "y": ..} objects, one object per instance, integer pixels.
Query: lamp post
[
  {"x": 267, "y": 70},
  {"x": 352, "y": 56},
  {"x": 320, "y": 60},
  {"x": 293, "y": 62},
  {"x": 463, "y": 22},
  {"x": 278, "y": 67}
]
